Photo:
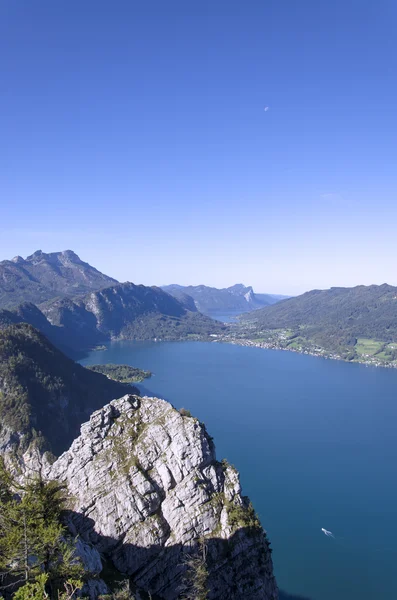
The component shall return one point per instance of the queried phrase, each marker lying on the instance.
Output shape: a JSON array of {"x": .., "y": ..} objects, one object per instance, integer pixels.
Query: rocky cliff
[{"x": 145, "y": 487}]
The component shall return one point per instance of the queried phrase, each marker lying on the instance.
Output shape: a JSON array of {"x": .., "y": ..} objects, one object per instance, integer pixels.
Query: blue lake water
[
  {"x": 316, "y": 446},
  {"x": 230, "y": 316}
]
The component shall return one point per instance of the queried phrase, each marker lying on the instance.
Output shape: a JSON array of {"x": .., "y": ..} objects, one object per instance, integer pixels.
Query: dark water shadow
[{"x": 286, "y": 596}]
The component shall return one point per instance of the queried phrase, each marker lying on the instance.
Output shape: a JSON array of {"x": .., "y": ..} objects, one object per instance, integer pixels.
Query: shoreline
[{"x": 320, "y": 354}]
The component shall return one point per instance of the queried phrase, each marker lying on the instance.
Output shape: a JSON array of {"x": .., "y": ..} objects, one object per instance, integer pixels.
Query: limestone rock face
[{"x": 145, "y": 486}]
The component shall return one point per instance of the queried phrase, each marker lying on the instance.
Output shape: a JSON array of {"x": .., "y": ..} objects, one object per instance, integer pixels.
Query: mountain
[
  {"x": 147, "y": 493},
  {"x": 44, "y": 396},
  {"x": 42, "y": 276},
  {"x": 335, "y": 318},
  {"x": 64, "y": 339},
  {"x": 146, "y": 498},
  {"x": 127, "y": 311},
  {"x": 123, "y": 311},
  {"x": 209, "y": 300}
]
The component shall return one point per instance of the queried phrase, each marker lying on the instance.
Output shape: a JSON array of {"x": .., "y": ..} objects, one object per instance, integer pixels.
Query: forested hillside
[
  {"x": 44, "y": 395},
  {"x": 336, "y": 318}
]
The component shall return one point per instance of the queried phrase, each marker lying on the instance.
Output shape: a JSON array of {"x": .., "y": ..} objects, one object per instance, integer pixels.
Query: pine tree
[
  {"x": 196, "y": 576},
  {"x": 33, "y": 540}
]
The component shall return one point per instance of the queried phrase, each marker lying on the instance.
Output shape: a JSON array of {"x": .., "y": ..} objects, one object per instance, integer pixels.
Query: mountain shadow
[{"x": 236, "y": 567}]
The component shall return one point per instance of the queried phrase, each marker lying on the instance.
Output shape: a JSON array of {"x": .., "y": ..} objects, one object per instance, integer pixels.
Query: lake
[
  {"x": 230, "y": 316},
  {"x": 316, "y": 446}
]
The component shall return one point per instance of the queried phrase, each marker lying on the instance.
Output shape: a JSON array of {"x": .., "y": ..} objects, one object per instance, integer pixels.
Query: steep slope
[
  {"x": 209, "y": 300},
  {"x": 44, "y": 396},
  {"x": 29, "y": 313},
  {"x": 42, "y": 276},
  {"x": 145, "y": 487},
  {"x": 336, "y": 317},
  {"x": 127, "y": 311}
]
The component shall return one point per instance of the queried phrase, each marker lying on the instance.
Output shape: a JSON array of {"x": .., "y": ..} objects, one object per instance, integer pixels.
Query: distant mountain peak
[
  {"x": 69, "y": 254},
  {"x": 51, "y": 256},
  {"x": 212, "y": 301},
  {"x": 18, "y": 260},
  {"x": 35, "y": 255},
  {"x": 43, "y": 276},
  {"x": 238, "y": 286},
  {"x": 240, "y": 289}
]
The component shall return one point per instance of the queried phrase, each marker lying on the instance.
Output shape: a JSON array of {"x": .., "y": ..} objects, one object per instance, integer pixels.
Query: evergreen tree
[
  {"x": 33, "y": 540},
  {"x": 196, "y": 576}
]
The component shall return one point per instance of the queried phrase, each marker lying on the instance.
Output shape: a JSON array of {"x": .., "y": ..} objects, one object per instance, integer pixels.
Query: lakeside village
[{"x": 282, "y": 340}]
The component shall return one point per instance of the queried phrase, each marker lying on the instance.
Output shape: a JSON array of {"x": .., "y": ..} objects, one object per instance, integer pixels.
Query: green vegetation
[
  {"x": 124, "y": 311},
  {"x": 242, "y": 516},
  {"x": 185, "y": 412},
  {"x": 196, "y": 575},
  {"x": 356, "y": 324},
  {"x": 121, "y": 373},
  {"x": 43, "y": 394},
  {"x": 37, "y": 590},
  {"x": 37, "y": 557},
  {"x": 121, "y": 593},
  {"x": 160, "y": 327},
  {"x": 367, "y": 347}
]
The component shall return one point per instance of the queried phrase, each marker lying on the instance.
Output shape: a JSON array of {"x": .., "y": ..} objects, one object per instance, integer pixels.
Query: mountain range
[
  {"x": 77, "y": 307},
  {"x": 210, "y": 300},
  {"x": 123, "y": 311},
  {"x": 139, "y": 461}
]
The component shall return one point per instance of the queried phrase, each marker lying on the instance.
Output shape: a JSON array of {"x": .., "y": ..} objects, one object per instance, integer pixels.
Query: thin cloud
[{"x": 266, "y": 108}]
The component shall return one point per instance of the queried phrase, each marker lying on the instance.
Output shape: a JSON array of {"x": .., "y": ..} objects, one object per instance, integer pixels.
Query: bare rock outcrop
[{"x": 146, "y": 491}]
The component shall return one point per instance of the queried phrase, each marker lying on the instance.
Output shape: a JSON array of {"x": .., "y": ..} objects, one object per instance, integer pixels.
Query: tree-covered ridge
[
  {"x": 42, "y": 276},
  {"x": 337, "y": 319},
  {"x": 121, "y": 373},
  {"x": 43, "y": 394}
]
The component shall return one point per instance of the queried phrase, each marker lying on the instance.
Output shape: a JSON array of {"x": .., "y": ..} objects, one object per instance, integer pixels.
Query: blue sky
[{"x": 135, "y": 134}]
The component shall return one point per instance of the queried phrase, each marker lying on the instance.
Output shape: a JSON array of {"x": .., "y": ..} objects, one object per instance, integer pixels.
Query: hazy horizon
[
  {"x": 188, "y": 282},
  {"x": 203, "y": 143}
]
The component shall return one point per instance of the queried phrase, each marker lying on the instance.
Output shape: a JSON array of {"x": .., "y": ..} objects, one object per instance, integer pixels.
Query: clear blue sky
[{"x": 135, "y": 134}]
